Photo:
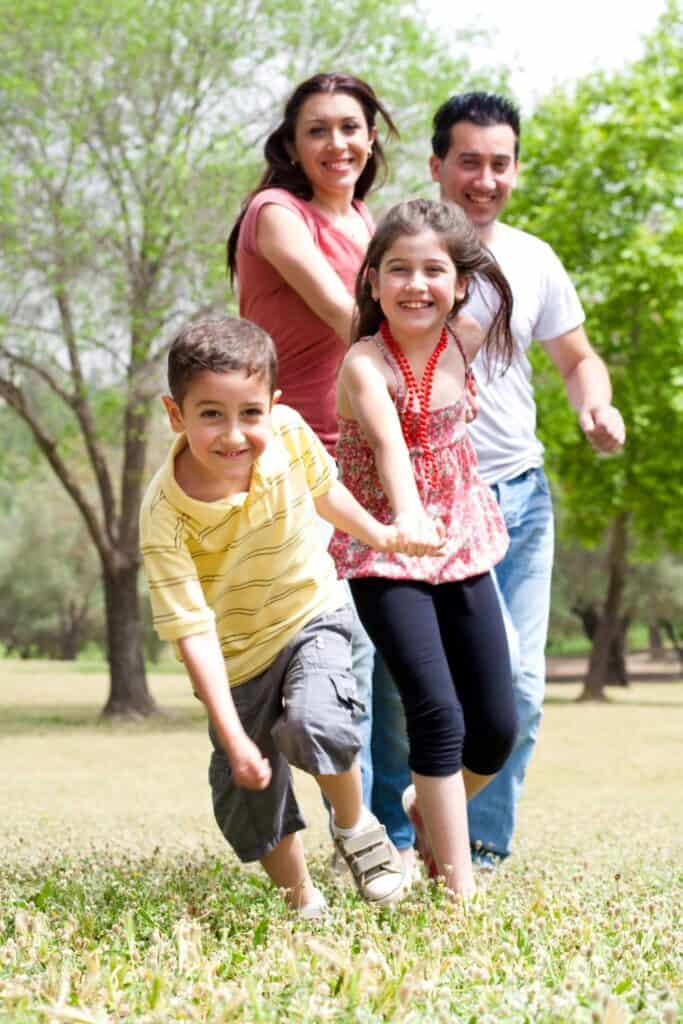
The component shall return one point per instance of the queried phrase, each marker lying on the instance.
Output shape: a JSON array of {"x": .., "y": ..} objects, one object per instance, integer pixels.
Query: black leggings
[{"x": 446, "y": 649}]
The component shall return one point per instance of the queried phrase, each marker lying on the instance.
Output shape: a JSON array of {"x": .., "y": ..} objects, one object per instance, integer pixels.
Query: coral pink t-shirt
[{"x": 309, "y": 351}]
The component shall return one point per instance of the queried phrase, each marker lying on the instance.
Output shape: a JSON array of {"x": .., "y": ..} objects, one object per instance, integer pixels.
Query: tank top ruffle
[{"x": 475, "y": 530}]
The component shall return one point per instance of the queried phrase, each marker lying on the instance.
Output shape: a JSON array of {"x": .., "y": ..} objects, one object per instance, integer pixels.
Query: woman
[{"x": 296, "y": 248}]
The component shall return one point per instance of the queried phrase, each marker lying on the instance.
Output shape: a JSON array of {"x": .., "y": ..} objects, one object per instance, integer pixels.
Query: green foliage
[
  {"x": 131, "y": 133},
  {"x": 49, "y": 576},
  {"x": 601, "y": 183}
]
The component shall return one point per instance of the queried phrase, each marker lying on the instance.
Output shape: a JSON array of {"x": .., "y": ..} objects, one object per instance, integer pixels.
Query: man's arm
[
  {"x": 588, "y": 389},
  {"x": 205, "y": 665}
]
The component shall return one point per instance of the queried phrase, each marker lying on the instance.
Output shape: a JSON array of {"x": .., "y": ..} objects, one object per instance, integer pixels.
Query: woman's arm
[{"x": 283, "y": 239}]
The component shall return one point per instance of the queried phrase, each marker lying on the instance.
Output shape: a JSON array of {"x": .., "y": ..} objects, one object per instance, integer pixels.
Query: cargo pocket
[{"x": 347, "y": 694}]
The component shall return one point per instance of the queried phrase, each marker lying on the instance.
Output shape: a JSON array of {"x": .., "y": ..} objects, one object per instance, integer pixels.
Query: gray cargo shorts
[{"x": 300, "y": 711}]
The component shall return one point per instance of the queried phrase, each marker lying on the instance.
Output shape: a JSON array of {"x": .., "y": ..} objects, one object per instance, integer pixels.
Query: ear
[
  {"x": 435, "y": 167},
  {"x": 277, "y": 395},
  {"x": 373, "y": 278},
  {"x": 175, "y": 416},
  {"x": 461, "y": 284},
  {"x": 290, "y": 149}
]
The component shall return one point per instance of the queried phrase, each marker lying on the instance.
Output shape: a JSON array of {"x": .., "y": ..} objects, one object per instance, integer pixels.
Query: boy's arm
[
  {"x": 339, "y": 507},
  {"x": 205, "y": 665}
]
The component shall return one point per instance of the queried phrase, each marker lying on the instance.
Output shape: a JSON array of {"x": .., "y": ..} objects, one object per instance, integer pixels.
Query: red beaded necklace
[{"x": 419, "y": 395}]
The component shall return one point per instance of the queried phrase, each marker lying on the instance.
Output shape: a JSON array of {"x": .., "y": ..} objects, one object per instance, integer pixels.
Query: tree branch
[{"x": 15, "y": 397}]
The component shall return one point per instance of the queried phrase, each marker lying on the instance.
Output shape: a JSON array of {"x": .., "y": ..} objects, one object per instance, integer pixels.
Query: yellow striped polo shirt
[{"x": 254, "y": 564}]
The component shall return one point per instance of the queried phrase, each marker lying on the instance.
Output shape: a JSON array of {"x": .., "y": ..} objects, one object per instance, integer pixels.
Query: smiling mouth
[
  {"x": 415, "y": 305},
  {"x": 232, "y": 455},
  {"x": 338, "y": 165},
  {"x": 480, "y": 200}
]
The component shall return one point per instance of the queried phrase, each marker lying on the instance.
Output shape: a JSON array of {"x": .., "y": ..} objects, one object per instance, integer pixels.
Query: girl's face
[
  {"x": 416, "y": 284},
  {"x": 331, "y": 142}
]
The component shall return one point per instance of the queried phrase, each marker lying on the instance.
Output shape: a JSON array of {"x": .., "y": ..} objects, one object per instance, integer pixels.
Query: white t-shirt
[{"x": 545, "y": 306}]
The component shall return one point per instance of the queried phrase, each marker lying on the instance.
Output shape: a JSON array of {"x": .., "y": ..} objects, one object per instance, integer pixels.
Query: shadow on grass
[
  {"x": 610, "y": 702},
  {"x": 40, "y": 719}
]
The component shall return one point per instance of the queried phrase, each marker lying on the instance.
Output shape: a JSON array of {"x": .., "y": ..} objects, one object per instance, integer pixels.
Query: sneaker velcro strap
[
  {"x": 373, "y": 858},
  {"x": 361, "y": 842}
]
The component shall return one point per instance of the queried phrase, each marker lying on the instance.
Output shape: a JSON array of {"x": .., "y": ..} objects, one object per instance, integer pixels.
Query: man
[{"x": 475, "y": 163}]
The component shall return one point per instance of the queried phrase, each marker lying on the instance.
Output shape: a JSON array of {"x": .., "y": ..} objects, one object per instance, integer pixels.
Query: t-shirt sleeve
[
  {"x": 560, "y": 309},
  {"x": 304, "y": 444},
  {"x": 179, "y": 608},
  {"x": 269, "y": 197}
]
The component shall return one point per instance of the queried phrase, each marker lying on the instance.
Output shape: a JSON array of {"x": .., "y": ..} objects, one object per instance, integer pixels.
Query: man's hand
[
  {"x": 250, "y": 769},
  {"x": 416, "y": 533},
  {"x": 604, "y": 428}
]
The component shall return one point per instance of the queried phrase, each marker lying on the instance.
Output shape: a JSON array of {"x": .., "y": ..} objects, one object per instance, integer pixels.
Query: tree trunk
[
  {"x": 670, "y": 631},
  {"x": 128, "y": 694},
  {"x": 616, "y": 663},
  {"x": 655, "y": 641},
  {"x": 611, "y": 622}
]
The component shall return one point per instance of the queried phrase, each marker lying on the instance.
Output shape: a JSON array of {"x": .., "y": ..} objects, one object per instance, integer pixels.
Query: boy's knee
[{"x": 315, "y": 741}]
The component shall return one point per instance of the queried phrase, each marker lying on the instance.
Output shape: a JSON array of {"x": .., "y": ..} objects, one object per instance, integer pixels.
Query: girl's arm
[
  {"x": 204, "y": 662},
  {"x": 365, "y": 389},
  {"x": 284, "y": 240},
  {"x": 339, "y": 507}
]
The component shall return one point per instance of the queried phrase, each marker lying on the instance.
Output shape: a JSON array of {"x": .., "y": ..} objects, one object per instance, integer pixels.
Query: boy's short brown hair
[{"x": 223, "y": 344}]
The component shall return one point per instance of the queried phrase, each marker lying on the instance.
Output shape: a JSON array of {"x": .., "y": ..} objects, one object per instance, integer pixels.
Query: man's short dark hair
[
  {"x": 222, "y": 344},
  {"x": 480, "y": 108}
]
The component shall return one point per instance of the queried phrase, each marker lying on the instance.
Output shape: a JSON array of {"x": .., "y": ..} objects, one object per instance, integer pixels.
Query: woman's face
[{"x": 332, "y": 142}]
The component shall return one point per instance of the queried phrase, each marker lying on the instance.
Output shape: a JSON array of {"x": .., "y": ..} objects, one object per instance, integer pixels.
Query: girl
[{"x": 404, "y": 452}]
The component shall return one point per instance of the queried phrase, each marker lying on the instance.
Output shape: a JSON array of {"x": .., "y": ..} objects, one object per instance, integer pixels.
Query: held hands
[
  {"x": 250, "y": 769},
  {"x": 603, "y": 427},
  {"x": 416, "y": 533}
]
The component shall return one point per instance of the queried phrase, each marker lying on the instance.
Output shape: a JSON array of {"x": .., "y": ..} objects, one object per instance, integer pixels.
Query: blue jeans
[
  {"x": 524, "y": 586},
  {"x": 363, "y": 657}
]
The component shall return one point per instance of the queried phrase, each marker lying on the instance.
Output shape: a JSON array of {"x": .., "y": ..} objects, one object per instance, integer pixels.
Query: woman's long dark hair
[
  {"x": 470, "y": 257},
  {"x": 280, "y": 172}
]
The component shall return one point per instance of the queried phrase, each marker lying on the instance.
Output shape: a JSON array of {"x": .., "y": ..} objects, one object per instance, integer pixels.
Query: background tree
[
  {"x": 601, "y": 183},
  {"x": 130, "y": 132}
]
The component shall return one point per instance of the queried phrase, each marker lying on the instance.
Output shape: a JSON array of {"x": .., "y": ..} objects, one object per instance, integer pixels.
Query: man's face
[{"x": 479, "y": 170}]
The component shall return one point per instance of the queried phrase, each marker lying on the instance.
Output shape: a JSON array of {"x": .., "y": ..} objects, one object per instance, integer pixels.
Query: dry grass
[{"x": 119, "y": 900}]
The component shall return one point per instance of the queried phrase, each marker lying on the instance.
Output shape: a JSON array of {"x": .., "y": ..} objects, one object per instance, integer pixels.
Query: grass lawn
[{"x": 120, "y": 902}]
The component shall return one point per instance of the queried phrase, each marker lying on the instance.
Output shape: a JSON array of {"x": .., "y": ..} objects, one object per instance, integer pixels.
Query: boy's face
[{"x": 227, "y": 420}]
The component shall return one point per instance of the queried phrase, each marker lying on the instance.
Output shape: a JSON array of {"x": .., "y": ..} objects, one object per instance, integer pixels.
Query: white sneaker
[
  {"x": 374, "y": 862},
  {"x": 316, "y": 907}
]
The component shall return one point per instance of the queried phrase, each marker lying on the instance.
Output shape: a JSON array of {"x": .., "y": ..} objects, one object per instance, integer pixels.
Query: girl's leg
[
  {"x": 476, "y": 647},
  {"x": 401, "y": 619},
  {"x": 474, "y": 783},
  {"x": 286, "y": 867},
  {"x": 443, "y": 807}
]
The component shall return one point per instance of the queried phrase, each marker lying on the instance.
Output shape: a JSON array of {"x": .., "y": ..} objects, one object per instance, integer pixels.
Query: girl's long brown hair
[
  {"x": 280, "y": 172},
  {"x": 470, "y": 257}
]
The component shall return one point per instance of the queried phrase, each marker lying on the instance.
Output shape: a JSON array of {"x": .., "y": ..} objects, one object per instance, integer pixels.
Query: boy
[{"x": 240, "y": 580}]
